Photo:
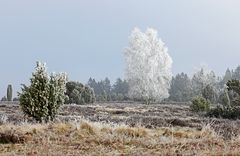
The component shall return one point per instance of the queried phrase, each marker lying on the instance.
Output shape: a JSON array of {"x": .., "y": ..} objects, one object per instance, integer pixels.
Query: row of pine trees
[{"x": 183, "y": 87}]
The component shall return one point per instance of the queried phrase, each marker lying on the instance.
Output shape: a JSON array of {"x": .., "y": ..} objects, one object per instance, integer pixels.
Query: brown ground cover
[{"x": 118, "y": 129}]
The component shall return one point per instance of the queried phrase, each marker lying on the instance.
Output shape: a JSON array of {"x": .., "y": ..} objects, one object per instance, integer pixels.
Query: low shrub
[
  {"x": 224, "y": 112},
  {"x": 78, "y": 93},
  {"x": 42, "y": 99},
  {"x": 230, "y": 102},
  {"x": 200, "y": 104}
]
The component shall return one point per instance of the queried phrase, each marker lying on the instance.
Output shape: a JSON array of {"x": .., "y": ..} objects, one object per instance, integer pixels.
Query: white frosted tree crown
[{"x": 148, "y": 66}]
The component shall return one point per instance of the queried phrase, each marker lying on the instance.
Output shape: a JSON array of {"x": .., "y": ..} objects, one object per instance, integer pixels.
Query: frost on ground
[{"x": 119, "y": 129}]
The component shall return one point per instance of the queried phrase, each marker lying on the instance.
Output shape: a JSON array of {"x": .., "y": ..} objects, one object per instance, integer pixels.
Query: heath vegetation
[{"x": 151, "y": 112}]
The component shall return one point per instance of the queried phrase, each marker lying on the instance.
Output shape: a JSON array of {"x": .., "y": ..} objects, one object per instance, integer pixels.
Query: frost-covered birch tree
[{"x": 148, "y": 66}]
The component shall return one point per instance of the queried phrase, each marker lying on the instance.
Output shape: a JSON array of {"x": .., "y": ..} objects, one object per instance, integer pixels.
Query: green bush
[
  {"x": 78, "y": 93},
  {"x": 88, "y": 95},
  {"x": 42, "y": 99},
  {"x": 224, "y": 112},
  {"x": 230, "y": 102},
  {"x": 200, "y": 104},
  {"x": 234, "y": 87}
]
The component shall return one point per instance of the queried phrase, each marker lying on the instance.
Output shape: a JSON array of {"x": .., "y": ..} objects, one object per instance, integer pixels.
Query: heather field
[
  {"x": 119, "y": 78},
  {"x": 118, "y": 129}
]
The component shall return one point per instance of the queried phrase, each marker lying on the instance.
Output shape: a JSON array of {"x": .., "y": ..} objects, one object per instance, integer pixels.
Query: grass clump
[
  {"x": 131, "y": 132},
  {"x": 87, "y": 128}
]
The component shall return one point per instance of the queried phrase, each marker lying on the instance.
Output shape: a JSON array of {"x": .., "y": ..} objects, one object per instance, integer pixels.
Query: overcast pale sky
[{"x": 86, "y": 38}]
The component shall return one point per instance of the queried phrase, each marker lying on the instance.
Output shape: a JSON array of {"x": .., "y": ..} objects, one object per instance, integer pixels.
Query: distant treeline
[
  {"x": 105, "y": 91},
  {"x": 183, "y": 88},
  {"x": 206, "y": 83}
]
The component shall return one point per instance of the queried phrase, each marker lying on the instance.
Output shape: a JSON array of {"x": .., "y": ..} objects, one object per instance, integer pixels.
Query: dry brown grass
[
  {"x": 87, "y": 128},
  {"x": 131, "y": 132},
  {"x": 87, "y": 138},
  {"x": 127, "y": 132}
]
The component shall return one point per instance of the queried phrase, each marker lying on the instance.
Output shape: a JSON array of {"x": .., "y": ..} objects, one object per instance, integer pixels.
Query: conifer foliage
[
  {"x": 9, "y": 93},
  {"x": 42, "y": 99},
  {"x": 78, "y": 93}
]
